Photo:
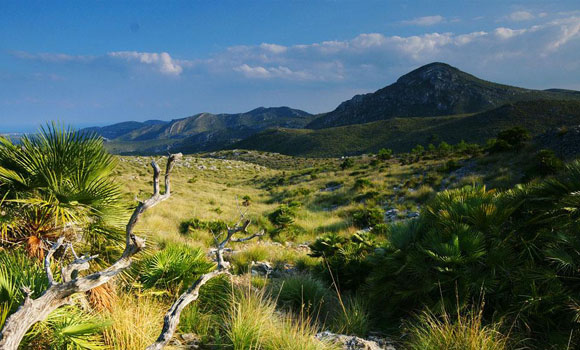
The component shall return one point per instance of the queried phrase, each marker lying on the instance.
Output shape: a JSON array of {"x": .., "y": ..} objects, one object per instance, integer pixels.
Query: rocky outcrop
[{"x": 351, "y": 342}]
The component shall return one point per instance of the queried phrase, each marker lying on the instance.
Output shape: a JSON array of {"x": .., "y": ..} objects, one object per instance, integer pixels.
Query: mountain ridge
[{"x": 435, "y": 89}]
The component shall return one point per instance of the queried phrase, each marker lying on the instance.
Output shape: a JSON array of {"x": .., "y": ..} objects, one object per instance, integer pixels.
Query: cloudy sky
[{"x": 99, "y": 62}]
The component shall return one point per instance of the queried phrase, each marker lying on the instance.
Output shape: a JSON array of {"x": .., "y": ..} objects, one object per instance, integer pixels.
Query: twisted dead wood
[
  {"x": 171, "y": 318},
  {"x": 60, "y": 293}
]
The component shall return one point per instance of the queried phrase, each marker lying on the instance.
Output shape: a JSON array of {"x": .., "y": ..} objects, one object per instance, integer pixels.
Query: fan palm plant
[{"x": 53, "y": 183}]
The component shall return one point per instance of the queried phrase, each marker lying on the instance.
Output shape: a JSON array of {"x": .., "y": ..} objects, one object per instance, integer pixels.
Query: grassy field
[{"x": 297, "y": 202}]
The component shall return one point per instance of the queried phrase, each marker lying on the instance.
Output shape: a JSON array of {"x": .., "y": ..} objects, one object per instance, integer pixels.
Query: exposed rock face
[
  {"x": 350, "y": 342},
  {"x": 435, "y": 89}
]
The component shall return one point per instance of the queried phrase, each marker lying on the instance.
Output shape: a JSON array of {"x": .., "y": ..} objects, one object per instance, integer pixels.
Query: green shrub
[
  {"x": 347, "y": 163},
  {"x": 216, "y": 226},
  {"x": 515, "y": 136},
  {"x": 518, "y": 247},
  {"x": 444, "y": 148},
  {"x": 368, "y": 217},
  {"x": 283, "y": 216},
  {"x": 419, "y": 149},
  {"x": 380, "y": 229},
  {"x": 385, "y": 154},
  {"x": 175, "y": 266},
  {"x": 546, "y": 163},
  {"x": 362, "y": 183},
  {"x": 68, "y": 328},
  {"x": 510, "y": 139},
  {"x": 344, "y": 259}
]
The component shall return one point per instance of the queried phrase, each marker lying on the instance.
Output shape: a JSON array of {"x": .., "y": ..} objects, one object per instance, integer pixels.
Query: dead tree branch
[
  {"x": 171, "y": 319},
  {"x": 58, "y": 294}
]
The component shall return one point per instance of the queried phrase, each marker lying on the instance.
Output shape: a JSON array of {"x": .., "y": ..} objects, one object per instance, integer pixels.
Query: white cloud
[
  {"x": 272, "y": 72},
  {"x": 273, "y": 48},
  {"x": 425, "y": 21},
  {"x": 568, "y": 29},
  {"x": 162, "y": 61},
  {"x": 253, "y": 72},
  {"x": 521, "y": 16},
  {"x": 507, "y": 33},
  {"x": 366, "y": 57}
]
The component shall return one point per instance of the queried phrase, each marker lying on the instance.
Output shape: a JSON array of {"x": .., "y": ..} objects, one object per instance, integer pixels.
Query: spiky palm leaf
[{"x": 57, "y": 178}]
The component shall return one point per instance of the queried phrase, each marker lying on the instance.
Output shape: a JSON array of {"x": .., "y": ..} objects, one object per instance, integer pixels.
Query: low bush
[
  {"x": 283, "y": 216},
  {"x": 368, "y": 217},
  {"x": 344, "y": 260},
  {"x": 175, "y": 266},
  {"x": 385, "y": 154},
  {"x": 216, "y": 226}
]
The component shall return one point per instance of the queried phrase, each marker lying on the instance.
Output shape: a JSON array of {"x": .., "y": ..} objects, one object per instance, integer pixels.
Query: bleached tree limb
[
  {"x": 47, "y": 258},
  {"x": 58, "y": 294},
  {"x": 171, "y": 318}
]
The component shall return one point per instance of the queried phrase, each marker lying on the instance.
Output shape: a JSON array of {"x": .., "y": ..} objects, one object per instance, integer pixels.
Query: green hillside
[{"x": 402, "y": 134}]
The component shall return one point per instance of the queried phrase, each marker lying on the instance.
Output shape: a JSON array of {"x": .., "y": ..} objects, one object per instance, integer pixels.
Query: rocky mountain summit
[{"x": 435, "y": 89}]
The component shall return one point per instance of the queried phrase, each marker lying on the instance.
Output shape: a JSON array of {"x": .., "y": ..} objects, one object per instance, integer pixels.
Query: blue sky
[{"x": 100, "y": 62}]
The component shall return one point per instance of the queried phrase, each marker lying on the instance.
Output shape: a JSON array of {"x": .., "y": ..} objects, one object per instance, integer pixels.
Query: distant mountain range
[
  {"x": 433, "y": 101},
  {"x": 201, "y": 132}
]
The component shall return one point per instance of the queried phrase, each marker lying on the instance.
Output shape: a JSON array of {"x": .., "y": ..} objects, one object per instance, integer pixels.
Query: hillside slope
[
  {"x": 401, "y": 134},
  {"x": 436, "y": 89}
]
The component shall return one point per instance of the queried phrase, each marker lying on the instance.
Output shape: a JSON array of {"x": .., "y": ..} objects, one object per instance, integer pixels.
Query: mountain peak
[
  {"x": 432, "y": 72},
  {"x": 435, "y": 89}
]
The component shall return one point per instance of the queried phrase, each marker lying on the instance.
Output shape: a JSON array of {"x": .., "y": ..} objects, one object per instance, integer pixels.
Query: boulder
[
  {"x": 261, "y": 268},
  {"x": 351, "y": 342}
]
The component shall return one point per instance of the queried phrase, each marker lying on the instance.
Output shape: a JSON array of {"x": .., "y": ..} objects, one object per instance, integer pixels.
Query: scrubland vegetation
[{"x": 446, "y": 247}]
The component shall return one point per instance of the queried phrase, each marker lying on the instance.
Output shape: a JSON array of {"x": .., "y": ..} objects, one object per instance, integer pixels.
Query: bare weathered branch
[
  {"x": 58, "y": 294},
  {"x": 47, "y": 258},
  {"x": 249, "y": 238},
  {"x": 70, "y": 271},
  {"x": 171, "y": 319}
]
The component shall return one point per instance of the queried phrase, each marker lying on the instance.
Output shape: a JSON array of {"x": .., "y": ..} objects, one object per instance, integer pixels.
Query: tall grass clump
[
  {"x": 248, "y": 320},
  {"x": 253, "y": 323},
  {"x": 352, "y": 317},
  {"x": 135, "y": 322},
  {"x": 242, "y": 261},
  {"x": 303, "y": 294},
  {"x": 462, "y": 332}
]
